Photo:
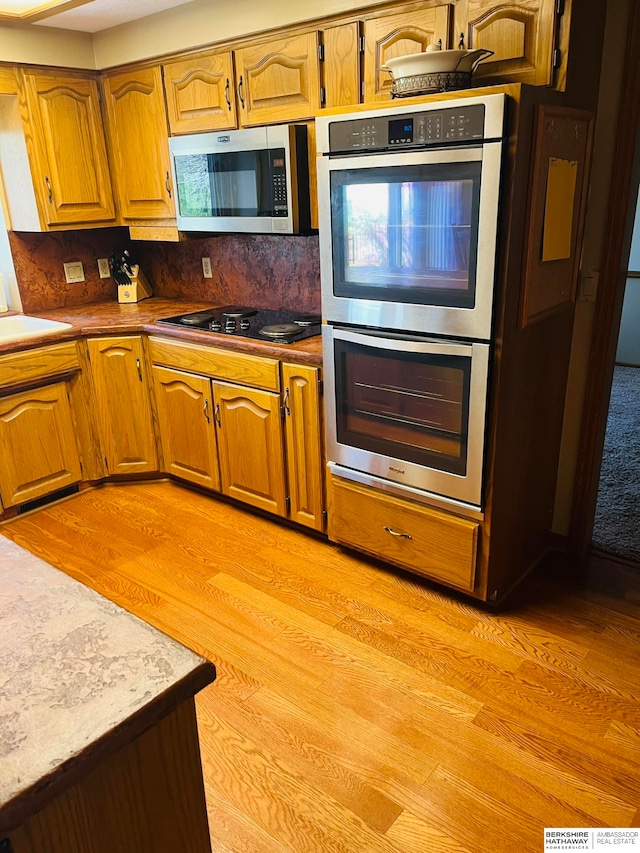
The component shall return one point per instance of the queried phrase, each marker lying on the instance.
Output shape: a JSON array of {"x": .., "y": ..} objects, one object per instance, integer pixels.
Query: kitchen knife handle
[
  {"x": 240, "y": 92},
  {"x": 218, "y": 415},
  {"x": 226, "y": 94},
  {"x": 206, "y": 411},
  {"x": 167, "y": 184},
  {"x": 400, "y": 535},
  {"x": 46, "y": 180},
  {"x": 139, "y": 366}
]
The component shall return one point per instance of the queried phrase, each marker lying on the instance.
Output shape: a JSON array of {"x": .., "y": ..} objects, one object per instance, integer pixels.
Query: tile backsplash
[{"x": 270, "y": 271}]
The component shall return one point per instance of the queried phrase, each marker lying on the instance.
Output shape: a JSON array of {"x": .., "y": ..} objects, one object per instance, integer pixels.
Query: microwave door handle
[{"x": 402, "y": 343}]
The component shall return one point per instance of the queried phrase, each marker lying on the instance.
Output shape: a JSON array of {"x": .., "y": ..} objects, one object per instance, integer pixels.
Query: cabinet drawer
[
  {"x": 423, "y": 540},
  {"x": 21, "y": 368},
  {"x": 231, "y": 366}
]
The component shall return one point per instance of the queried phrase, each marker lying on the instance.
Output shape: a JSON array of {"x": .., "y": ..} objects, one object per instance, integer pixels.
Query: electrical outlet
[
  {"x": 206, "y": 268},
  {"x": 103, "y": 268},
  {"x": 74, "y": 272}
]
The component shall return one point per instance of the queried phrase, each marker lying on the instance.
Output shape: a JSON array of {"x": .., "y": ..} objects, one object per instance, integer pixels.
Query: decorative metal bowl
[{"x": 425, "y": 84}]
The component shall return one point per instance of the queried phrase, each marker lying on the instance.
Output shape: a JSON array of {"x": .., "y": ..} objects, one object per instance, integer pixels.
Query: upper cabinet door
[
  {"x": 341, "y": 65},
  {"x": 138, "y": 135},
  {"x": 71, "y": 172},
  {"x": 201, "y": 93},
  {"x": 398, "y": 35},
  {"x": 521, "y": 36},
  {"x": 279, "y": 80}
]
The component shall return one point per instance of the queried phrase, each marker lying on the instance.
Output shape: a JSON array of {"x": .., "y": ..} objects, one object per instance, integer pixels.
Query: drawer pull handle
[
  {"x": 167, "y": 185},
  {"x": 241, "y": 92},
  {"x": 206, "y": 411},
  {"x": 50, "y": 191},
  {"x": 217, "y": 415},
  {"x": 139, "y": 367},
  {"x": 285, "y": 403},
  {"x": 401, "y": 535},
  {"x": 226, "y": 94}
]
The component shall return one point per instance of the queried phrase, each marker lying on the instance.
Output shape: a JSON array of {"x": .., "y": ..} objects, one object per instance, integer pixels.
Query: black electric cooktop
[{"x": 282, "y": 327}]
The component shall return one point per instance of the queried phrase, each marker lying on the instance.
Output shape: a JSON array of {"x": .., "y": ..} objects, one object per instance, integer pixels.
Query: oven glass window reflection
[
  {"x": 405, "y": 405},
  {"x": 401, "y": 239}
]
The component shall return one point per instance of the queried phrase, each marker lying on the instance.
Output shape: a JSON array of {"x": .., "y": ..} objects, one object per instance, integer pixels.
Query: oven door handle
[{"x": 402, "y": 343}]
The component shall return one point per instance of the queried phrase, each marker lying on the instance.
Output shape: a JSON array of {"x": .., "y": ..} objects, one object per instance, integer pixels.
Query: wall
[
  {"x": 604, "y": 151},
  {"x": 38, "y": 260},
  {"x": 46, "y": 46},
  {"x": 269, "y": 271},
  {"x": 198, "y": 24},
  {"x": 276, "y": 272},
  {"x": 192, "y": 25}
]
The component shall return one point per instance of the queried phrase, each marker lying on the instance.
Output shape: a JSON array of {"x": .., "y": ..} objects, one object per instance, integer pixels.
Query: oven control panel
[{"x": 408, "y": 130}]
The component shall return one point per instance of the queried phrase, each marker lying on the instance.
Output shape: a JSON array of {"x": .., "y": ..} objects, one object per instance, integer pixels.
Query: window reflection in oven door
[
  {"x": 407, "y": 409},
  {"x": 408, "y": 240}
]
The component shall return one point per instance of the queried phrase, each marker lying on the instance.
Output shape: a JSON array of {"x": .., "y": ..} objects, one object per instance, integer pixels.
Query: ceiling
[{"x": 89, "y": 16}]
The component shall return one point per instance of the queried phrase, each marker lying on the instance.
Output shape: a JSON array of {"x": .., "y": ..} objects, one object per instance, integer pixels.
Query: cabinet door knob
[
  {"x": 139, "y": 366},
  {"x": 206, "y": 411},
  {"x": 226, "y": 94},
  {"x": 399, "y": 535},
  {"x": 167, "y": 184},
  {"x": 46, "y": 180},
  {"x": 241, "y": 92}
]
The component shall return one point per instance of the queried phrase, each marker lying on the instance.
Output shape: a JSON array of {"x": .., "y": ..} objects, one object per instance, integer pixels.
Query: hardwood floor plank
[
  {"x": 308, "y": 752},
  {"x": 411, "y": 833},
  {"x": 270, "y": 794},
  {"x": 359, "y": 709}
]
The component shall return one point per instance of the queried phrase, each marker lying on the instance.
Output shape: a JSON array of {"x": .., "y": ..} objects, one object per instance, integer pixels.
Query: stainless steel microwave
[{"x": 254, "y": 181}]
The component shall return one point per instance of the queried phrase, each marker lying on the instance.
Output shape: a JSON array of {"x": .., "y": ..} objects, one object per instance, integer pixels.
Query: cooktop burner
[{"x": 282, "y": 327}]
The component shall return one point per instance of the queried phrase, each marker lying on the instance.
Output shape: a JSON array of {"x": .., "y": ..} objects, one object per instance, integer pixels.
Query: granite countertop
[
  {"x": 113, "y": 318},
  {"x": 79, "y": 678}
]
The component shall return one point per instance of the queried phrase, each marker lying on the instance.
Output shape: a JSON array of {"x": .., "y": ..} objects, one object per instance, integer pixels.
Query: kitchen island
[{"x": 98, "y": 738}]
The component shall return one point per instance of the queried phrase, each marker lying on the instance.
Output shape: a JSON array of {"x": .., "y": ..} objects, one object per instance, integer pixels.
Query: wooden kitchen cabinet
[
  {"x": 341, "y": 66},
  {"x": 250, "y": 447},
  {"x": 123, "y": 404},
  {"x": 279, "y": 80},
  {"x": 38, "y": 452},
  {"x": 187, "y": 433},
  {"x": 303, "y": 436},
  {"x": 138, "y": 132},
  {"x": 399, "y": 34},
  {"x": 51, "y": 185},
  {"x": 200, "y": 93},
  {"x": 521, "y": 34}
]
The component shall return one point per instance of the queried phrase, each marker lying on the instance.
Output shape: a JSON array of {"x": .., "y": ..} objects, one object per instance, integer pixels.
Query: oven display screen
[{"x": 400, "y": 130}]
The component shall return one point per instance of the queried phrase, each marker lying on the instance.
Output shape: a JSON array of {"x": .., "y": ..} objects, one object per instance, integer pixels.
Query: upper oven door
[{"x": 408, "y": 240}]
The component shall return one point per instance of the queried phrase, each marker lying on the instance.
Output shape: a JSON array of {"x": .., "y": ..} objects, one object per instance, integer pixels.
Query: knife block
[{"x": 137, "y": 289}]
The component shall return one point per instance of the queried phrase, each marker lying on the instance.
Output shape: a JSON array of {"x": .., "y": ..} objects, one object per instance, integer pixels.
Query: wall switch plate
[
  {"x": 74, "y": 272},
  {"x": 588, "y": 289},
  {"x": 206, "y": 268},
  {"x": 103, "y": 268}
]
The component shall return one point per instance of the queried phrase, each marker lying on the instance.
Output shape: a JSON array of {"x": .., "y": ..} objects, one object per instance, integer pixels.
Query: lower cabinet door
[
  {"x": 187, "y": 434},
  {"x": 249, "y": 430},
  {"x": 123, "y": 404},
  {"x": 304, "y": 443},
  {"x": 38, "y": 452}
]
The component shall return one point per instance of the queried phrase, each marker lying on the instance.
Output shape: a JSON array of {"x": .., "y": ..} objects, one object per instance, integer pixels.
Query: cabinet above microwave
[{"x": 254, "y": 180}]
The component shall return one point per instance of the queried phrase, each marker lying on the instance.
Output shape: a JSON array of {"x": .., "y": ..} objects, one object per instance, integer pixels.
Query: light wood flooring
[{"x": 362, "y": 710}]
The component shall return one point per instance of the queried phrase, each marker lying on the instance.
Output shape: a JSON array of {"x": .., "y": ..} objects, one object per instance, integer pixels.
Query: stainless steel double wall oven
[{"x": 408, "y": 209}]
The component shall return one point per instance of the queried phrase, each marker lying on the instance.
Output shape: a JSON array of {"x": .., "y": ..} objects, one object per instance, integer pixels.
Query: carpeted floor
[{"x": 617, "y": 525}]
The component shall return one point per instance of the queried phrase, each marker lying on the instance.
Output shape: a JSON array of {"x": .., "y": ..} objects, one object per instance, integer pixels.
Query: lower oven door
[{"x": 407, "y": 409}]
